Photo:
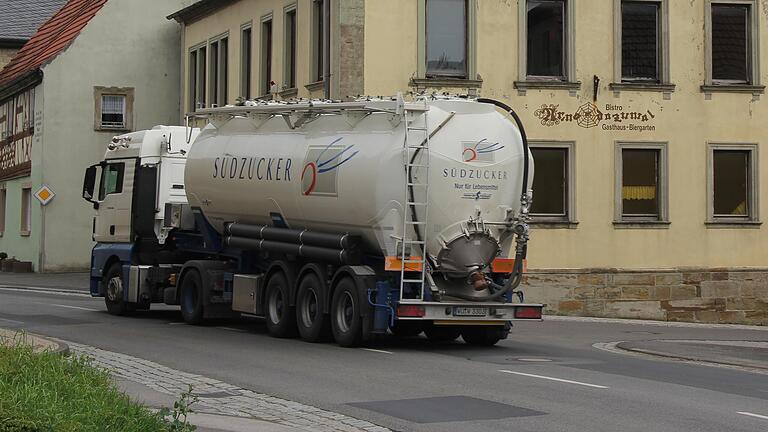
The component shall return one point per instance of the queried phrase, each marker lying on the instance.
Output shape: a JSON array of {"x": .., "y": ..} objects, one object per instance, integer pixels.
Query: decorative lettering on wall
[
  {"x": 589, "y": 115},
  {"x": 17, "y": 129}
]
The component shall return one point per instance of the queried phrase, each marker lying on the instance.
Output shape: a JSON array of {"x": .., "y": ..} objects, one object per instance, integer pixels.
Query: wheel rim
[
  {"x": 115, "y": 289},
  {"x": 309, "y": 308},
  {"x": 276, "y": 306},
  {"x": 345, "y": 312}
]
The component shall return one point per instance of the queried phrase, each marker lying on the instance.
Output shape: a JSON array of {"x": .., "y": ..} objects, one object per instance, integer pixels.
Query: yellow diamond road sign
[{"x": 44, "y": 195}]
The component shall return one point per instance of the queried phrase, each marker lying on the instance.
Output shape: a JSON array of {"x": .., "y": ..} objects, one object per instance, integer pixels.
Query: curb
[
  {"x": 657, "y": 323},
  {"x": 37, "y": 340},
  {"x": 622, "y": 346},
  {"x": 67, "y": 291}
]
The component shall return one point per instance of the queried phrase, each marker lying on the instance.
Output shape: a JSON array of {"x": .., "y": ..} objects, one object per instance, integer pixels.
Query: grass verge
[{"x": 50, "y": 392}]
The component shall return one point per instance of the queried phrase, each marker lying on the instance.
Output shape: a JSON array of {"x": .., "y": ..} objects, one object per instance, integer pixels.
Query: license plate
[{"x": 470, "y": 311}]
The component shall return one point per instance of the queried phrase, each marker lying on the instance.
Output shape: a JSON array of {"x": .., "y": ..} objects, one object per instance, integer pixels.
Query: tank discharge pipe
[
  {"x": 520, "y": 224},
  {"x": 332, "y": 248}
]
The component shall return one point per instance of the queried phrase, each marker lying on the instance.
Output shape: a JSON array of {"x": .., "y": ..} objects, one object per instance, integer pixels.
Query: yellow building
[{"x": 646, "y": 117}]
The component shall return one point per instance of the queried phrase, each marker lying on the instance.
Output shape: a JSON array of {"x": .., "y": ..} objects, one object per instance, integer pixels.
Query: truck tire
[
  {"x": 346, "y": 322},
  {"x": 313, "y": 324},
  {"x": 192, "y": 297},
  {"x": 114, "y": 291},
  {"x": 281, "y": 316},
  {"x": 483, "y": 335},
  {"x": 442, "y": 333}
]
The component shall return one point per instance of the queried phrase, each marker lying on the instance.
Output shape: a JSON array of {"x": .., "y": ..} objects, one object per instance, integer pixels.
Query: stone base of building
[{"x": 733, "y": 296}]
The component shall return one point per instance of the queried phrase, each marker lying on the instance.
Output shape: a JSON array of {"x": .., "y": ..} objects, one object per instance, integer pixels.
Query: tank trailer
[{"x": 327, "y": 219}]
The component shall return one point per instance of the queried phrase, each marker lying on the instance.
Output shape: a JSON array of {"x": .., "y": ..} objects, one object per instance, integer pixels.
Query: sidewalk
[
  {"x": 748, "y": 354},
  {"x": 69, "y": 281}
]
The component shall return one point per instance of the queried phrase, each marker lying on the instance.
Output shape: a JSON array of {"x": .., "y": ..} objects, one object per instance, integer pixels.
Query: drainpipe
[{"x": 327, "y": 48}]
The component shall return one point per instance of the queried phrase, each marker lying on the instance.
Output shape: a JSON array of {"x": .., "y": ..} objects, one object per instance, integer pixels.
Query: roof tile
[{"x": 51, "y": 38}]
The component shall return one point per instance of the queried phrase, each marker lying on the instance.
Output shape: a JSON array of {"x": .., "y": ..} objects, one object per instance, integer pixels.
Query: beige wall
[
  {"x": 687, "y": 120},
  {"x": 6, "y": 54}
]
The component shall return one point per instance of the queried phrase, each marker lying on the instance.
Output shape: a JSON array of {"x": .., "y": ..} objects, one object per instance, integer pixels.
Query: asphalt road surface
[{"x": 547, "y": 376}]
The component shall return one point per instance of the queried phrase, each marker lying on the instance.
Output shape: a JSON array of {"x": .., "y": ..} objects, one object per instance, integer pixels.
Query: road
[{"x": 547, "y": 376}]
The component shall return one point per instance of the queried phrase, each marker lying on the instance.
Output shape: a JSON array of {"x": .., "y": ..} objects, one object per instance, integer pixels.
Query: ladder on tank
[{"x": 415, "y": 214}]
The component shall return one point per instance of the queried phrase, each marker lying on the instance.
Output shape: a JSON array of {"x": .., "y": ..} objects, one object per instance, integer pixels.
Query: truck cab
[{"x": 138, "y": 193}]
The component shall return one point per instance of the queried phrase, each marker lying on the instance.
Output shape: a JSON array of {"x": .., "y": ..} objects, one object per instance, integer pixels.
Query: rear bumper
[{"x": 447, "y": 313}]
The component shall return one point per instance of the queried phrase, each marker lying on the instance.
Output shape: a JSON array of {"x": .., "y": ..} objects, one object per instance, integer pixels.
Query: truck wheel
[
  {"x": 483, "y": 335},
  {"x": 192, "y": 298},
  {"x": 442, "y": 333},
  {"x": 312, "y": 322},
  {"x": 114, "y": 292},
  {"x": 346, "y": 322},
  {"x": 281, "y": 317}
]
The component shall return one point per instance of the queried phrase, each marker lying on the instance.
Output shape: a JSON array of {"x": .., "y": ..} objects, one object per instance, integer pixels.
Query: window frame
[
  {"x": 568, "y": 81},
  {"x": 25, "y": 223},
  {"x": 472, "y": 80},
  {"x": 753, "y": 51},
  {"x": 246, "y": 61},
  {"x": 290, "y": 41},
  {"x": 266, "y": 59},
  {"x": 102, "y": 195},
  {"x": 217, "y": 83},
  {"x": 570, "y": 192},
  {"x": 753, "y": 193},
  {"x": 662, "y": 219},
  {"x": 316, "y": 43},
  {"x": 128, "y": 93},
  {"x": 664, "y": 71},
  {"x": 198, "y": 77},
  {"x": 3, "y": 207}
]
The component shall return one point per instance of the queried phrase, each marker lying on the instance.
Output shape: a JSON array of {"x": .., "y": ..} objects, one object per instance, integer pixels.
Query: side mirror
[{"x": 89, "y": 184}]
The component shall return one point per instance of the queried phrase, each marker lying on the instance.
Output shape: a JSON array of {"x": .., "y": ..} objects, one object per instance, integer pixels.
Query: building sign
[
  {"x": 17, "y": 127},
  {"x": 607, "y": 117}
]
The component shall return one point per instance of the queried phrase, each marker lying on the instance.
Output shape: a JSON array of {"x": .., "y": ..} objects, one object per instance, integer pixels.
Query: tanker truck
[{"x": 329, "y": 220}]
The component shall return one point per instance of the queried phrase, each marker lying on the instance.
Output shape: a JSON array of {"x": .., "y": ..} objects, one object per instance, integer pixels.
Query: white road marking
[
  {"x": 377, "y": 351},
  {"x": 232, "y": 329},
  {"x": 752, "y": 415},
  {"x": 176, "y": 323},
  {"x": 11, "y": 321},
  {"x": 534, "y": 360},
  {"x": 74, "y": 307},
  {"x": 51, "y": 291},
  {"x": 554, "y": 379}
]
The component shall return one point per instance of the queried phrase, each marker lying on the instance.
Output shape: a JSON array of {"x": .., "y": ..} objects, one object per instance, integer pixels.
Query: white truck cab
[{"x": 150, "y": 162}]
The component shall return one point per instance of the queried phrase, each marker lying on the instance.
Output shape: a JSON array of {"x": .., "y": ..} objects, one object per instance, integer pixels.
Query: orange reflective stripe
[
  {"x": 392, "y": 263},
  {"x": 506, "y": 265}
]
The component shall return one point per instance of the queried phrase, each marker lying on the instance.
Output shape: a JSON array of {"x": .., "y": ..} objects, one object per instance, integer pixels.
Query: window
[
  {"x": 246, "y": 56},
  {"x": 111, "y": 180},
  {"x": 3, "y": 199},
  {"x": 113, "y": 111},
  {"x": 640, "y": 41},
  {"x": 114, "y": 108},
  {"x": 289, "y": 68},
  {"x": 553, "y": 191},
  {"x": 546, "y": 53},
  {"x": 732, "y": 180},
  {"x": 197, "y": 78},
  {"x": 26, "y": 211},
  {"x": 641, "y": 185},
  {"x": 318, "y": 38},
  {"x": 266, "y": 55},
  {"x": 446, "y": 28},
  {"x": 217, "y": 66},
  {"x": 732, "y": 51}
]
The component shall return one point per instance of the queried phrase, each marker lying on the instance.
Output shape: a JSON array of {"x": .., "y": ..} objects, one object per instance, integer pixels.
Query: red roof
[{"x": 51, "y": 38}]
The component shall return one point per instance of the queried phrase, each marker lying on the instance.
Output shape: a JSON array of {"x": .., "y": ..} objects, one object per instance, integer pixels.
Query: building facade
[
  {"x": 646, "y": 118},
  {"x": 63, "y": 96}
]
